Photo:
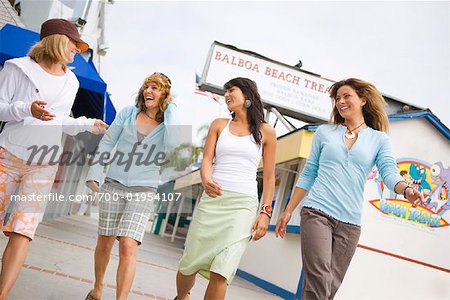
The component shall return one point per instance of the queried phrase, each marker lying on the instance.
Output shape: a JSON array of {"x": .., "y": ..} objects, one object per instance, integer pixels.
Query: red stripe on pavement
[
  {"x": 404, "y": 258},
  {"x": 34, "y": 268}
]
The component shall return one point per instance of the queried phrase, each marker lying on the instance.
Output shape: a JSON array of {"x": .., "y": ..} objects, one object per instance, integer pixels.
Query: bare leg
[
  {"x": 14, "y": 256},
  {"x": 102, "y": 255},
  {"x": 184, "y": 285},
  {"x": 127, "y": 267},
  {"x": 217, "y": 287}
]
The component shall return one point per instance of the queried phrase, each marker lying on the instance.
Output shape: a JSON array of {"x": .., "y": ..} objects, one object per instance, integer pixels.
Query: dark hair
[
  {"x": 374, "y": 111},
  {"x": 255, "y": 112}
]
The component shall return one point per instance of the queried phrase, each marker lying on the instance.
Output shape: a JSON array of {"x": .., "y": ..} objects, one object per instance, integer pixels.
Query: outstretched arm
[
  {"x": 387, "y": 167},
  {"x": 304, "y": 184},
  {"x": 297, "y": 197}
]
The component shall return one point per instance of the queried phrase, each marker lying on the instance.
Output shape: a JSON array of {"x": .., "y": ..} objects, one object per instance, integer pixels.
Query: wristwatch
[{"x": 266, "y": 209}]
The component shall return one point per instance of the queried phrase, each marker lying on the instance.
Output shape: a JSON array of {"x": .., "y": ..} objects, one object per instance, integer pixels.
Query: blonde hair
[
  {"x": 163, "y": 82},
  {"x": 374, "y": 111},
  {"x": 51, "y": 49}
]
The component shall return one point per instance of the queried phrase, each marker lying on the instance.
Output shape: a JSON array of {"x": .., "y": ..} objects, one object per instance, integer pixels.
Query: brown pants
[{"x": 328, "y": 246}]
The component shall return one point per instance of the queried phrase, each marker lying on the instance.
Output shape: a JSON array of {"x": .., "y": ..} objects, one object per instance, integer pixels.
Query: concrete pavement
[{"x": 60, "y": 266}]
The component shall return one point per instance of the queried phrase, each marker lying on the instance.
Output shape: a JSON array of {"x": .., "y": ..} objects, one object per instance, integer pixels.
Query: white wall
[
  {"x": 92, "y": 31},
  {"x": 275, "y": 260},
  {"x": 374, "y": 275}
]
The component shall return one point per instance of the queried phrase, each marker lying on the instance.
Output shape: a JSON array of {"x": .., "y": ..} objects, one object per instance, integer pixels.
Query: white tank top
[{"x": 236, "y": 162}]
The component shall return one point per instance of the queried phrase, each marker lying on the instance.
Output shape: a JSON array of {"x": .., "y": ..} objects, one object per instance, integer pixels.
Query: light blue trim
[
  {"x": 300, "y": 286},
  {"x": 270, "y": 287},
  {"x": 289, "y": 228},
  {"x": 429, "y": 116}
]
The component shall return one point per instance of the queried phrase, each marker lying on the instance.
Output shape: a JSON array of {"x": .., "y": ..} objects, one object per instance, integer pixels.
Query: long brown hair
[
  {"x": 255, "y": 113},
  {"x": 374, "y": 111},
  {"x": 164, "y": 83}
]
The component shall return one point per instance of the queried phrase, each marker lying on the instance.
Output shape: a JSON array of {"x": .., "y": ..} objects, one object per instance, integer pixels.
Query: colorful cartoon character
[
  {"x": 419, "y": 176},
  {"x": 441, "y": 177},
  {"x": 406, "y": 176},
  {"x": 444, "y": 196},
  {"x": 443, "y": 192},
  {"x": 439, "y": 174}
]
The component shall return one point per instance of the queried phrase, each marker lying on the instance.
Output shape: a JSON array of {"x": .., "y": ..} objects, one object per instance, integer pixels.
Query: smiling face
[
  {"x": 71, "y": 51},
  {"x": 348, "y": 103},
  {"x": 234, "y": 98},
  {"x": 152, "y": 95}
]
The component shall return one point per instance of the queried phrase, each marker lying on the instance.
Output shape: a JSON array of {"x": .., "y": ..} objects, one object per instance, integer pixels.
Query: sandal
[
  {"x": 90, "y": 297},
  {"x": 176, "y": 297}
]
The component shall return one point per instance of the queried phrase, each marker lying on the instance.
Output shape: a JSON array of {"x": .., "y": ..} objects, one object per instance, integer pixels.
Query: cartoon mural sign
[{"x": 431, "y": 180}]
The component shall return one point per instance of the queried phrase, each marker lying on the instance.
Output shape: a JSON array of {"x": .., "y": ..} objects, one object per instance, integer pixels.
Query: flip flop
[
  {"x": 176, "y": 297},
  {"x": 90, "y": 297}
]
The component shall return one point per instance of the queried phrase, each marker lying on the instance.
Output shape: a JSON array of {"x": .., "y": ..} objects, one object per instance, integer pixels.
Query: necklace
[
  {"x": 151, "y": 118},
  {"x": 349, "y": 133}
]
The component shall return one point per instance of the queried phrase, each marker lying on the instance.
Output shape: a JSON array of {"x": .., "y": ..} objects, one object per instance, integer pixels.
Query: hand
[
  {"x": 414, "y": 196},
  {"x": 39, "y": 112},
  {"x": 100, "y": 127},
  {"x": 93, "y": 185},
  {"x": 260, "y": 227},
  {"x": 280, "y": 229},
  {"x": 212, "y": 188}
]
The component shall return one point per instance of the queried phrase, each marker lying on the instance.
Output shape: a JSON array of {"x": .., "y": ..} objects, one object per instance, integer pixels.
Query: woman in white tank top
[{"x": 227, "y": 216}]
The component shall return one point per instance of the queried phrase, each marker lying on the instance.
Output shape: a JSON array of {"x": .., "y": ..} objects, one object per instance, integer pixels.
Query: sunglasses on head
[{"x": 165, "y": 76}]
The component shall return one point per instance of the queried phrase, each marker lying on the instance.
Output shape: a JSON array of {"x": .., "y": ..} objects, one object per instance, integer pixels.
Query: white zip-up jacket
[{"x": 22, "y": 131}]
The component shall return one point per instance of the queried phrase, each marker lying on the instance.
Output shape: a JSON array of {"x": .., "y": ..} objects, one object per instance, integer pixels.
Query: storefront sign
[{"x": 287, "y": 88}]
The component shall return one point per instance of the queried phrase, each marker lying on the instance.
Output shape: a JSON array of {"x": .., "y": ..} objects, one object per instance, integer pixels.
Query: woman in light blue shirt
[
  {"x": 332, "y": 184},
  {"x": 139, "y": 135}
]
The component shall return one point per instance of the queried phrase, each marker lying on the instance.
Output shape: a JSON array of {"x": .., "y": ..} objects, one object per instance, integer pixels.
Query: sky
[{"x": 401, "y": 47}]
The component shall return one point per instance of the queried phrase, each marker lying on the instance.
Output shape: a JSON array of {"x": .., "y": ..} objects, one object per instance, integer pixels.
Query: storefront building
[{"x": 402, "y": 252}]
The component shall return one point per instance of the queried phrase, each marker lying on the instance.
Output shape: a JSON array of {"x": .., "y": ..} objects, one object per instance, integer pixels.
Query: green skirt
[{"x": 219, "y": 233}]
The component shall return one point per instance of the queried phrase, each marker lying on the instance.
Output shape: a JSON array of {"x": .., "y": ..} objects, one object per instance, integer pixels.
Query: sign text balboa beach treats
[
  {"x": 270, "y": 71},
  {"x": 297, "y": 93}
]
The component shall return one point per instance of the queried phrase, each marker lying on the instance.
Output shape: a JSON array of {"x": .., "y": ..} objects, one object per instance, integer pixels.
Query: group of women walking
[{"x": 38, "y": 90}]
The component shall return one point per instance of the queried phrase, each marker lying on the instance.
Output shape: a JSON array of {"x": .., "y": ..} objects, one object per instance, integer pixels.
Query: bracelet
[
  {"x": 266, "y": 209},
  {"x": 404, "y": 191}
]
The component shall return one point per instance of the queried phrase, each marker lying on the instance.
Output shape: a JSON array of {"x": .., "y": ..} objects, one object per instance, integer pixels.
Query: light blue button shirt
[
  {"x": 133, "y": 163},
  {"x": 335, "y": 176}
]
